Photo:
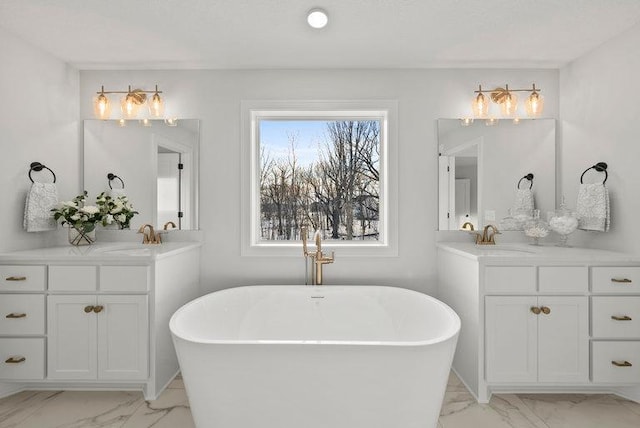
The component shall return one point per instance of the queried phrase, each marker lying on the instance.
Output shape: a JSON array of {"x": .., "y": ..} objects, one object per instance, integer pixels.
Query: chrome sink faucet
[{"x": 318, "y": 258}]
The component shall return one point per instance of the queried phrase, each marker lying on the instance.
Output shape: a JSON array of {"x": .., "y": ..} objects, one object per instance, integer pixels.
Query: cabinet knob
[
  {"x": 88, "y": 309},
  {"x": 535, "y": 310},
  {"x": 621, "y": 318},
  {"x": 545, "y": 310},
  {"x": 14, "y": 315},
  {"x": 621, "y": 280},
  {"x": 16, "y": 278},
  {"x": 98, "y": 309},
  {"x": 621, "y": 363},
  {"x": 15, "y": 360}
]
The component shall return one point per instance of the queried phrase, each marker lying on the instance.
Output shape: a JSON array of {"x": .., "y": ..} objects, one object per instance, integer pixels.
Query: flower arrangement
[
  {"x": 80, "y": 217},
  {"x": 116, "y": 210},
  {"x": 77, "y": 214}
]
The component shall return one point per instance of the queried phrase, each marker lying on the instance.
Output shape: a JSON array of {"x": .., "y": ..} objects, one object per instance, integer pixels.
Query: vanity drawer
[
  {"x": 554, "y": 279},
  {"x": 22, "y": 278},
  {"x": 510, "y": 279},
  {"x": 22, "y": 359},
  {"x": 124, "y": 278},
  {"x": 615, "y": 362},
  {"x": 73, "y": 278},
  {"x": 615, "y": 279},
  {"x": 22, "y": 314},
  {"x": 615, "y": 317}
]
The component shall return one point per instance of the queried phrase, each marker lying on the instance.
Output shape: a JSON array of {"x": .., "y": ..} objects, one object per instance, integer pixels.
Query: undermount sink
[
  {"x": 498, "y": 250},
  {"x": 126, "y": 249}
]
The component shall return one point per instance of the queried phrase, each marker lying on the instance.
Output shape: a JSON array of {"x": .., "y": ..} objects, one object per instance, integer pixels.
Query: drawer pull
[
  {"x": 14, "y": 315},
  {"x": 545, "y": 310},
  {"x": 16, "y": 278},
  {"x": 88, "y": 309},
  {"x": 98, "y": 309},
  {"x": 535, "y": 310},
  {"x": 15, "y": 360},
  {"x": 621, "y": 363},
  {"x": 621, "y": 280},
  {"x": 621, "y": 318}
]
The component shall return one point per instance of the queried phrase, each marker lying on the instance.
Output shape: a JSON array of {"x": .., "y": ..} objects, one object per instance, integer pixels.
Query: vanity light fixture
[
  {"x": 317, "y": 18},
  {"x": 130, "y": 104},
  {"x": 507, "y": 100}
]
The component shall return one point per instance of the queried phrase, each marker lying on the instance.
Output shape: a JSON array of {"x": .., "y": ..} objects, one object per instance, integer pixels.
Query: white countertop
[
  {"x": 103, "y": 251},
  {"x": 534, "y": 253}
]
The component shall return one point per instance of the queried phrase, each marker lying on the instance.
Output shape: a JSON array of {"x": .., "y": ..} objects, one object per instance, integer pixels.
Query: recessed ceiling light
[{"x": 317, "y": 18}]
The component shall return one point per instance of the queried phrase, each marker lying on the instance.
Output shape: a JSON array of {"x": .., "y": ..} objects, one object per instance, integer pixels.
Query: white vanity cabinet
[
  {"x": 536, "y": 339},
  {"x": 90, "y": 319},
  {"x": 98, "y": 337},
  {"x": 544, "y": 319}
]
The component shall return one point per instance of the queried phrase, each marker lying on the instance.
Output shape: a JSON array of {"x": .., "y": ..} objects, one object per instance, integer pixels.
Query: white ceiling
[{"x": 183, "y": 34}]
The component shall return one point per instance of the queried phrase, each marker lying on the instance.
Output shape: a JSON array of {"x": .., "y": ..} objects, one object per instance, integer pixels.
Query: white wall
[
  {"x": 38, "y": 122},
  {"x": 599, "y": 111},
  {"x": 214, "y": 97}
]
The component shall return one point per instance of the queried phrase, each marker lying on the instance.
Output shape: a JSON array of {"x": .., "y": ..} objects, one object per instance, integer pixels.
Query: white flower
[
  {"x": 121, "y": 218},
  {"x": 109, "y": 219},
  {"x": 76, "y": 216},
  {"x": 64, "y": 204},
  {"x": 90, "y": 209}
]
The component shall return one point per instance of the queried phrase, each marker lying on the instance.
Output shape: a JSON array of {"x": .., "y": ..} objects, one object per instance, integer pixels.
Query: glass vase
[{"x": 79, "y": 236}]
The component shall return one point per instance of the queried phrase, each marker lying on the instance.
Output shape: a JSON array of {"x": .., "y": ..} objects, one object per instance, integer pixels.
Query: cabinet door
[
  {"x": 510, "y": 339},
  {"x": 123, "y": 337},
  {"x": 72, "y": 337},
  {"x": 563, "y": 339}
]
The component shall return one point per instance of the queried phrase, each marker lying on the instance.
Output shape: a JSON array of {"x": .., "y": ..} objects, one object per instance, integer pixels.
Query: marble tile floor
[{"x": 75, "y": 409}]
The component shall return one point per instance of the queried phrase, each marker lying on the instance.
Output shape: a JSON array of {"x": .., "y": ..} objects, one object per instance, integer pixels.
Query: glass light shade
[
  {"x": 156, "y": 106},
  {"x": 129, "y": 106},
  {"x": 317, "y": 18},
  {"x": 535, "y": 104},
  {"x": 509, "y": 105},
  {"x": 102, "y": 107},
  {"x": 480, "y": 105}
]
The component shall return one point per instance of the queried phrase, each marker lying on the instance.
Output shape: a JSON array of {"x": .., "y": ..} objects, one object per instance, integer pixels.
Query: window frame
[{"x": 383, "y": 110}]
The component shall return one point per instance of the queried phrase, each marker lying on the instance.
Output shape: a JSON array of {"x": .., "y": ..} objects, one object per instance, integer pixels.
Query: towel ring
[
  {"x": 527, "y": 177},
  {"x": 600, "y": 167},
  {"x": 37, "y": 166},
  {"x": 111, "y": 176}
]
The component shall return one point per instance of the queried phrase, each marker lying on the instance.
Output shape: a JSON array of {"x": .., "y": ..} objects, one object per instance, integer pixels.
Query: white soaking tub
[{"x": 315, "y": 357}]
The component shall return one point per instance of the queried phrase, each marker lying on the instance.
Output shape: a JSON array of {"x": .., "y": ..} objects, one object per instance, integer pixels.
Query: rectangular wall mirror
[
  {"x": 155, "y": 164},
  {"x": 481, "y": 166}
]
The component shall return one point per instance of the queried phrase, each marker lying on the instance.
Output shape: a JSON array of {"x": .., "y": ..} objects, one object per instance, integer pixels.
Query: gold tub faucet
[{"x": 317, "y": 257}]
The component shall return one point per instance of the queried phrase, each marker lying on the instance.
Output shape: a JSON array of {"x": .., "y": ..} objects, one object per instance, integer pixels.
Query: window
[{"x": 323, "y": 168}]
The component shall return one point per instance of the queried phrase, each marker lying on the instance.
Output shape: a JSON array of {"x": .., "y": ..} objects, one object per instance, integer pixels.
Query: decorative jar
[
  {"x": 563, "y": 222},
  {"x": 536, "y": 228}
]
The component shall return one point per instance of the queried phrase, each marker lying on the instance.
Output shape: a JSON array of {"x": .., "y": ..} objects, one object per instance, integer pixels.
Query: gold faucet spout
[
  {"x": 487, "y": 238},
  {"x": 150, "y": 236}
]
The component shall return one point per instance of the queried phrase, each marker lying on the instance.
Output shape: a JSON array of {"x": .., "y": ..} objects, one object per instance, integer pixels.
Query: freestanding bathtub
[{"x": 315, "y": 357}]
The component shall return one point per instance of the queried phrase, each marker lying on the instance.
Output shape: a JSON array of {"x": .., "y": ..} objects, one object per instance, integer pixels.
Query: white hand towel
[
  {"x": 524, "y": 200},
  {"x": 593, "y": 207},
  {"x": 41, "y": 199}
]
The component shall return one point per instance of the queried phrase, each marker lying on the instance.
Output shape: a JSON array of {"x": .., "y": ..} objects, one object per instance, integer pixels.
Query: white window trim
[{"x": 387, "y": 246}]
